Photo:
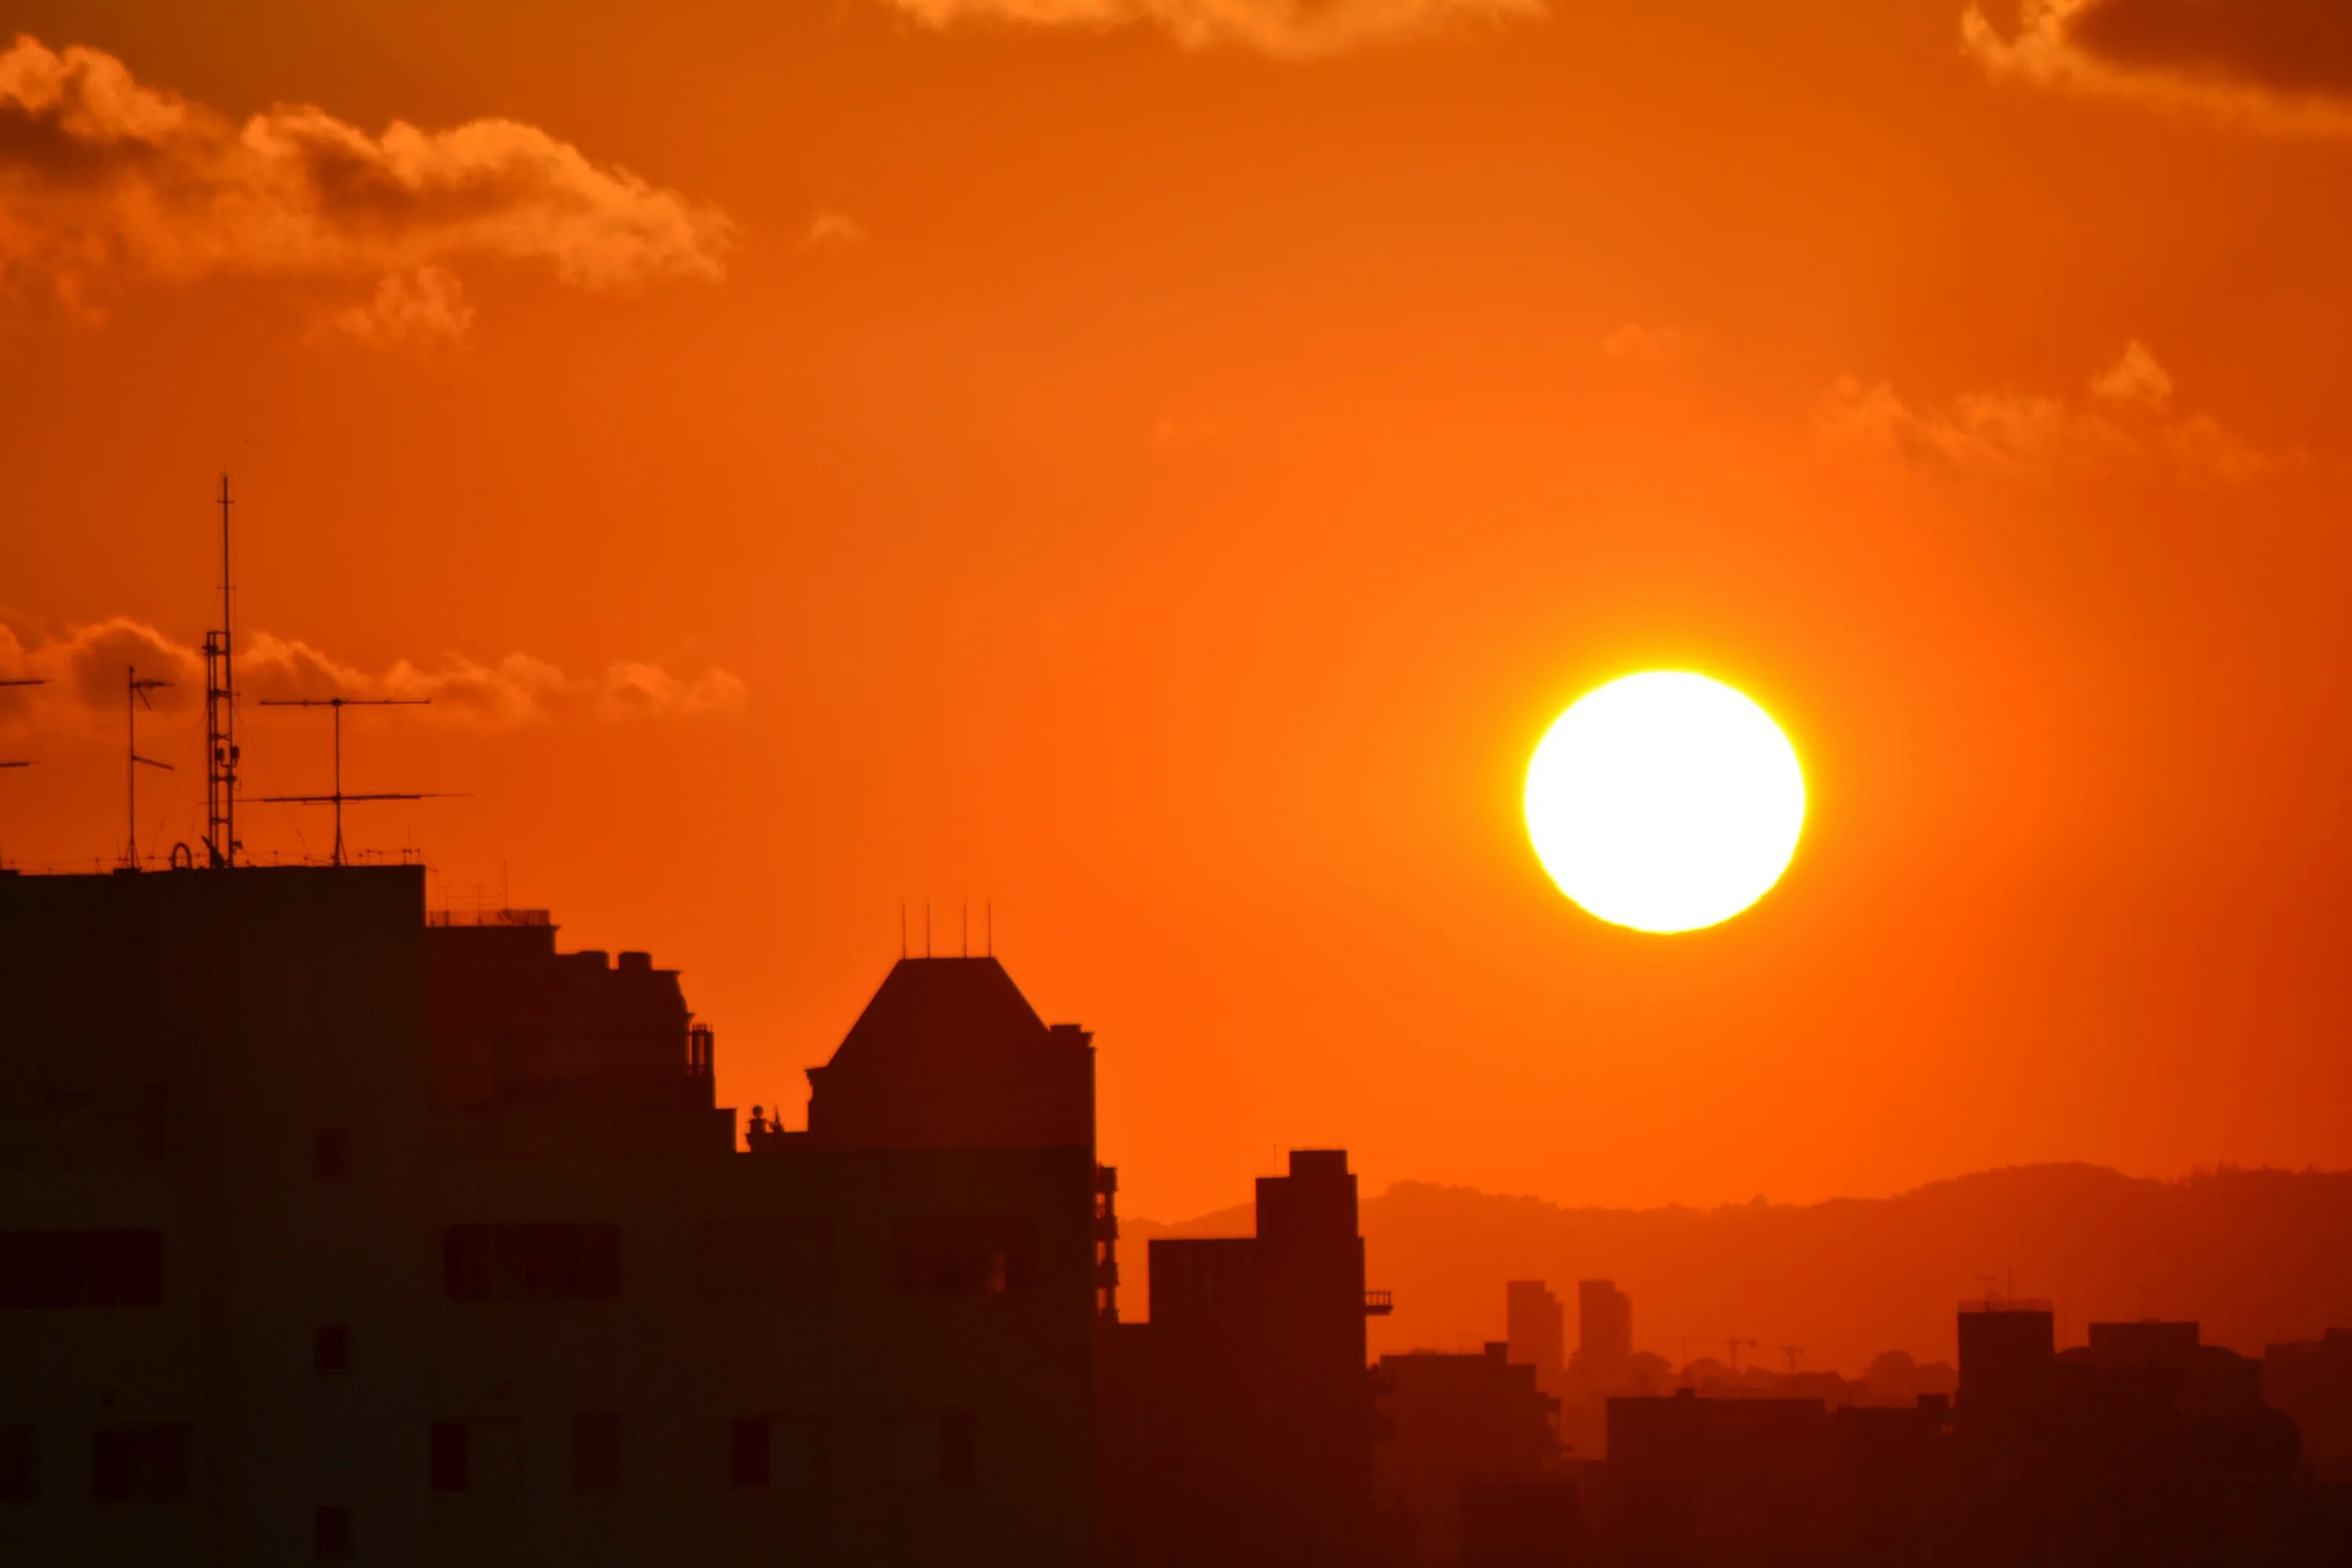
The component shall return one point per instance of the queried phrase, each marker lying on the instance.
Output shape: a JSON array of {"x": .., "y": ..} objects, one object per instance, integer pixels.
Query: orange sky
[{"x": 1162, "y": 476}]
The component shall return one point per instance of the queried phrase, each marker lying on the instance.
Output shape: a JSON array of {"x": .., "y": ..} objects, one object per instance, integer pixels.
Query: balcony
[{"x": 1378, "y": 1303}]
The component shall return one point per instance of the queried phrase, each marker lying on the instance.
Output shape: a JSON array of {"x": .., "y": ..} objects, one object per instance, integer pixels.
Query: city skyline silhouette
[{"x": 1415, "y": 784}]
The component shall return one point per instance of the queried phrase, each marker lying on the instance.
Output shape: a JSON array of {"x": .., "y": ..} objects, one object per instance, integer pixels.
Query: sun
[{"x": 1666, "y": 802}]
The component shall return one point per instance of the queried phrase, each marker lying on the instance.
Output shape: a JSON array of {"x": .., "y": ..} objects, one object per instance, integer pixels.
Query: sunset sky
[{"x": 1156, "y": 467}]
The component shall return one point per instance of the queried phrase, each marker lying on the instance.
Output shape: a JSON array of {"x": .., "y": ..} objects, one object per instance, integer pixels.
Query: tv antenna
[
  {"x": 335, "y": 705},
  {"x": 220, "y": 723},
  {"x": 134, "y": 698}
]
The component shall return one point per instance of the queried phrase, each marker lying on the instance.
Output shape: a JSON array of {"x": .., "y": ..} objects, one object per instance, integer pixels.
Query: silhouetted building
[
  {"x": 1723, "y": 1480},
  {"x": 2141, "y": 1447},
  {"x": 1604, "y": 1333},
  {"x": 2312, "y": 1384},
  {"x": 2006, "y": 1351},
  {"x": 1446, "y": 1421},
  {"x": 1525, "y": 1523},
  {"x": 950, "y": 1055},
  {"x": 1236, "y": 1423},
  {"x": 542, "y": 1046},
  {"x": 2197, "y": 1379},
  {"x": 327, "y": 1234},
  {"x": 1535, "y": 1326}
]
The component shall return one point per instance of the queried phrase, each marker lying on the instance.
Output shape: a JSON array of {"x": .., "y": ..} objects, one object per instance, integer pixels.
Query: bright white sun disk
[{"x": 1666, "y": 802}]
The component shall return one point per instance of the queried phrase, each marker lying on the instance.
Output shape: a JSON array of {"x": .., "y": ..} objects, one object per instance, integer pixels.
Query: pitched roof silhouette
[
  {"x": 932, "y": 1007},
  {"x": 949, "y": 1054}
]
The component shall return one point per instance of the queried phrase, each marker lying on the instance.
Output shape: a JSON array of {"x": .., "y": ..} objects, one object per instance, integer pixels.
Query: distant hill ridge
[{"x": 2254, "y": 1255}]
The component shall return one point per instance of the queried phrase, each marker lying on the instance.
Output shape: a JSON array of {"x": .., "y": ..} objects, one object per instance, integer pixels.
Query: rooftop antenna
[
  {"x": 220, "y": 721},
  {"x": 336, "y": 705},
  {"x": 134, "y": 698}
]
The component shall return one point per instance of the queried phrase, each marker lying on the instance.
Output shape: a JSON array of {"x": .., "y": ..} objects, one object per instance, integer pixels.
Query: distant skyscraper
[
  {"x": 2006, "y": 1348},
  {"x": 1604, "y": 1325},
  {"x": 1537, "y": 1328}
]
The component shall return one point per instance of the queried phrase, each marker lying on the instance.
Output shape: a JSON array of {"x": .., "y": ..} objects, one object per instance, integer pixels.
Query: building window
[
  {"x": 964, "y": 1256},
  {"x": 784, "y": 1453},
  {"x": 932, "y": 1451},
  {"x": 330, "y": 1350},
  {"x": 331, "y": 1532},
  {"x": 452, "y": 1457},
  {"x": 750, "y": 1462},
  {"x": 766, "y": 1259},
  {"x": 139, "y": 1464},
  {"x": 331, "y": 1154},
  {"x": 82, "y": 1268},
  {"x": 20, "y": 1464},
  {"x": 532, "y": 1262},
  {"x": 596, "y": 1452},
  {"x": 481, "y": 1457}
]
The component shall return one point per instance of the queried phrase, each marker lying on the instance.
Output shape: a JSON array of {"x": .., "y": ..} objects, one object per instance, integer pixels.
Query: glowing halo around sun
[{"x": 1666, "y": 802}]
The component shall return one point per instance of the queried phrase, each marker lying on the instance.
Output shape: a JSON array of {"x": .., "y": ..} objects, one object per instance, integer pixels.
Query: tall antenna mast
[
  {"x": 134, "y": 698},
  {"x": 220, "y": 723},
  {"x": 336, "y": 705}
]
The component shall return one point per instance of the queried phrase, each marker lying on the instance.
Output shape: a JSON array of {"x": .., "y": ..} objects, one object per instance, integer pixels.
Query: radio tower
[{"x": 220, "y": 723}]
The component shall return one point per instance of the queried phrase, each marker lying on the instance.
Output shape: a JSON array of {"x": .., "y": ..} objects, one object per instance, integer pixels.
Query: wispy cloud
[
  {"x": 2275, "y": 64},
  {"x": 2123, "y": 421},
  {"x": 1287, "y": 29},
  {"x": 832, "y": 231},
  {"x": 86, "y": 667},
  {"x": 106, "y": 182},
  {"x": 1651, "y": 347},
  {"x": 408, "y": 310}
]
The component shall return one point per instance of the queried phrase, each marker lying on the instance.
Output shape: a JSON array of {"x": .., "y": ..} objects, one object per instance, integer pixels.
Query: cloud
[
  {"x": 106, "y": 182},
  {"x": 2276, "y": 63},
  {"x": 831, "y": 231},
  {"x": 2125, "y": 422},
  {"x": 85, "y": 668},
  {"x": 1287, "y": 29},
  {"x": 409, "y": 309},
  {"x": 1650, "y": 348}
]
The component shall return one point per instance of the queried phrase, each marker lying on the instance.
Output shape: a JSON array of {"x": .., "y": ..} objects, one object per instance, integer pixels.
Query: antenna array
[
  {"x": 134, "y": 698},
  {"x": 338, "y": 799}
]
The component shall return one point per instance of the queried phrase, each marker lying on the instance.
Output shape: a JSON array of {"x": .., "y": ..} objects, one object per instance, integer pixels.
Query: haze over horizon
[{"x": 1152, "y": 473}]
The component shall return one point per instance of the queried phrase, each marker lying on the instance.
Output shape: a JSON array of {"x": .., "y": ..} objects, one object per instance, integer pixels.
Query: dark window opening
[
  {"x": 330, "y": 1350},
  {"x": 20, "y": 1464},
  {"x": 964, "y": 1255},
  {"x": 139, "y": 1464},
  {"x": 532, "y": 1262},
  {"x": 452, "y": 1457},
  {"x": 596, "y": 1452},
  {"x": 82, "y": 1268},
  {"x": 331, "y": 1154},
  {"x": 750, "y": 1465},
  {"x": 782, "y": 1452},
  {"x": 331, "y": 1532}
]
